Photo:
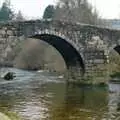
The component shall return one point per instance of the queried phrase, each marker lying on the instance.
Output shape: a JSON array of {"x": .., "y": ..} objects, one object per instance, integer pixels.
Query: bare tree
[
  {"x": 76, "y": 11},
  {"x": 19, "y": 16}
]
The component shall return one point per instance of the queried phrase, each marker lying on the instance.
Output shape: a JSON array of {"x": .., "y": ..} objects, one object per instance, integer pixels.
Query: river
[{"x": 41, "y": 96}]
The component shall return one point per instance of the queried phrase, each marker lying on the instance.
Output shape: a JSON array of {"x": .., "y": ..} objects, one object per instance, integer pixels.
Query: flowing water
[{"x": 41, "y": 96}]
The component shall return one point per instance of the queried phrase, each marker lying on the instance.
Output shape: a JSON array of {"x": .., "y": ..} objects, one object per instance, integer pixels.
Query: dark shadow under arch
[
  {"x": 117, "y": 49},
  {"x": 70, "y": 55}
]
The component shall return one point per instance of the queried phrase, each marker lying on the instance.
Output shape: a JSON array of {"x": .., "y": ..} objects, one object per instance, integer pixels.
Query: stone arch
[
  {"x": 67, "y": 48},
  {"x": 112, "y": 47},
  {"x": 117, "y": 49},
  {"x": 59, "y": 33}
]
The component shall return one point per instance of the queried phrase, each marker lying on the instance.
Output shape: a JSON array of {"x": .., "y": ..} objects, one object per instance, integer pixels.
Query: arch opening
[
  {"x": 70, "y": 55},
  {"x": 114, "y": 61},
  {"x": 117, "y": 49}
]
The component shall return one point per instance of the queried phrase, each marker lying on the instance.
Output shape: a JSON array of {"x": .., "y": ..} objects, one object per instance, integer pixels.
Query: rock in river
[{"x": 9, "y": 76}]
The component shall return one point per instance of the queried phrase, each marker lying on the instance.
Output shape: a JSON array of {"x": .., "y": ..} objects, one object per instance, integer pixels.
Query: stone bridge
[{"x": 70, "y": 39}]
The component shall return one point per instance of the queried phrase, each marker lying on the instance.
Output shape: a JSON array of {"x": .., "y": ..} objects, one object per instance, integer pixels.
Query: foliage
[
  {"x": 117, "y": 74},
  {"x": 76, "y": 11},
  {"x": 73, "y": 11},
  {"x": 5, "y": 12},
  {"x": 49, "y": 12}
]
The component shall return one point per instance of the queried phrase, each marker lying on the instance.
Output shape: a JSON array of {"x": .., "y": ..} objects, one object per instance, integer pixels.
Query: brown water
[{"x": 40, "y": 96}]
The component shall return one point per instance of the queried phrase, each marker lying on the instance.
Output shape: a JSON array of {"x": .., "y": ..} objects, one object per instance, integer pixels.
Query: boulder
[{"x": 9, "y": 76}]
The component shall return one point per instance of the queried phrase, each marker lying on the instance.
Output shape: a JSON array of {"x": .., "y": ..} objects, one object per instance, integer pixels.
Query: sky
[{"x": 32, "y": 9}]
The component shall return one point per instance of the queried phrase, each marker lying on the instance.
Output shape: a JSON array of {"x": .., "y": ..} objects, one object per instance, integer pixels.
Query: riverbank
[{"x": 9, "y": 116}]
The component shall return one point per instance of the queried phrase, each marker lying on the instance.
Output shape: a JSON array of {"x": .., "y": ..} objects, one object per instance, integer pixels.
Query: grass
[{"x": 9, "y": 116}]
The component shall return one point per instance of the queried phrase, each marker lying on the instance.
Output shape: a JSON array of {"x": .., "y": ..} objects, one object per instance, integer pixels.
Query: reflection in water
[
  {"x": 40, "y": 96},
  {"x": 82, "y": 103}
]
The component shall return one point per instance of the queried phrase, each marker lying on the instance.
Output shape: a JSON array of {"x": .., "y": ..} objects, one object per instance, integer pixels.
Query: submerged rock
[{"x": 9, "y": 76}]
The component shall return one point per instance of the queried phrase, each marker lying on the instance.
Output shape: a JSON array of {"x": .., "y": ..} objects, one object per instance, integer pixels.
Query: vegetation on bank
[
  {"x": 115, "y": 75},
  {"x": 73, "y": 11},
  {"x": 13, "y": 116},
  {"x": 7, "y": 115}
]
